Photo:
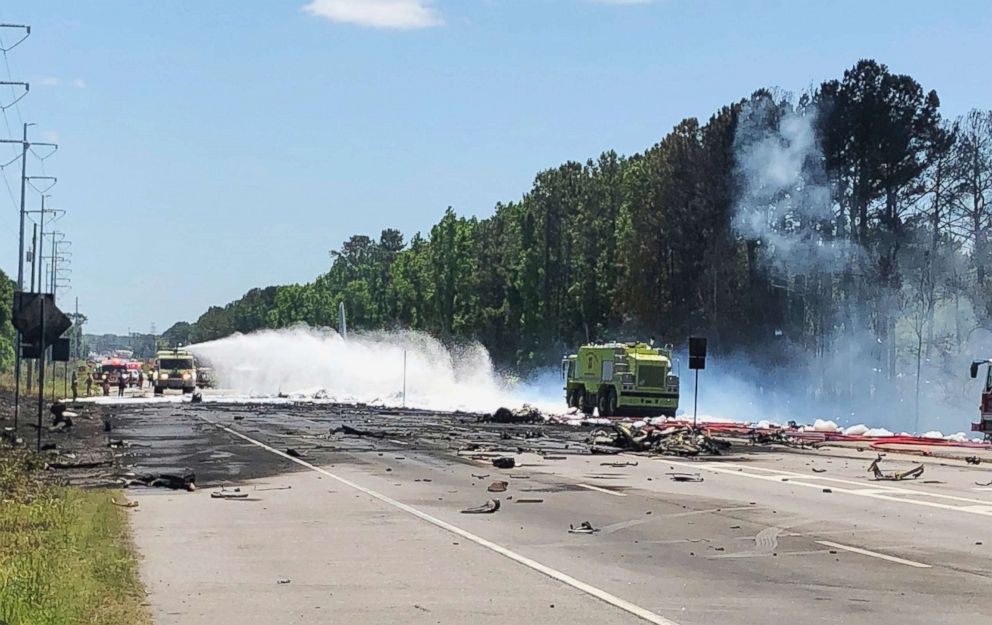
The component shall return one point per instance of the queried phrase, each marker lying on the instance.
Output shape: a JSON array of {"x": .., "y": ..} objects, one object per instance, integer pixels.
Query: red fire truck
[{"x": 984, "y": 424}]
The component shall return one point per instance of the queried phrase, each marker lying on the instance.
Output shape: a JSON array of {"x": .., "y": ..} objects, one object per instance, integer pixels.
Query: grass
[{"x": 65, "y": 553}]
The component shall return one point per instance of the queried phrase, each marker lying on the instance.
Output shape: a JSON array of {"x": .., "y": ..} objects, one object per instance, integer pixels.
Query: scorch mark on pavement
[{"x": 564, "y": 578}]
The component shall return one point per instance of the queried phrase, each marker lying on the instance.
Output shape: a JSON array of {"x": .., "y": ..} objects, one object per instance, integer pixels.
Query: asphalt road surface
[{"x": 362, "y": 529}]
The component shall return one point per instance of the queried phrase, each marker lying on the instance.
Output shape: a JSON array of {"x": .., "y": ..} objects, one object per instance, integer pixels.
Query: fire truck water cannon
[{"x": 984, "y": 424}]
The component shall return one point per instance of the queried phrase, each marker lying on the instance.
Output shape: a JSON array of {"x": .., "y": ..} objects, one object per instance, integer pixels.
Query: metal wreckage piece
[
  {"x": 896, "y": 476},
  {"x": 672, "y": 441}
]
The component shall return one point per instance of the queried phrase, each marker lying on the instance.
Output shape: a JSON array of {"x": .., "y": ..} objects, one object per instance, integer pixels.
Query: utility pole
[
  {"x": 20, "y": 270},
  {"x": 34, "y": 262}
]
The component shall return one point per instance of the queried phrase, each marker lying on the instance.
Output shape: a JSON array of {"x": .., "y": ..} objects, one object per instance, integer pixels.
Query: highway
[{"x": 369, "y": 530}]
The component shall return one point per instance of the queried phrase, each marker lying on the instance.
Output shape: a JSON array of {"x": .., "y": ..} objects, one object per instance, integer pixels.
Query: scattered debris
[
  {"x": 498, "y": 486},
  {"x": 584, "y": 528},
  {"x": 186, "y": 481},
  {"x": 973, "y": 460},
  {"x": 126, "y": 504},
  {"x": 80, "y": 465},
  {"x": 910, "y": 474},
  {"x": 61, "y": 418},
  {"x": 295, "y": 454},
  {"x": 828, "y": 490},
  {"x": 618, "y": 465},
  {"x": 530, "y": 501},
  {"x": 604, "y": 451},
  {"x": 275, "y": 488},
  {"x": 239, "y": 417},
  {"x": 816, "y": 470},
  {"x": 284, "y": 580},
  {"x": 675, "y": 440},
  {"x": 487, "y": 508},
  {"x": 685, "y": 477},
  {"x": 524, "y": 414},
  {"x": 504, "y": 462},
  {"x": 480, "y": 477},
  {"x": 547, "y": 457},
  {"x": 228, "y": 494},
  {"x": 353, "y": 431},
  {"x": 196, "y": 398}
]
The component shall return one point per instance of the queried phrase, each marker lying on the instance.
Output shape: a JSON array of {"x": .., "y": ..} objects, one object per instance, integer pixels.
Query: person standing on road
[
  {"x": 89, "y": 385},
  {"x": 121, "y": 384},
  {"x": 106, "y": 386},
  {"x": 75, "y": 386},
  {"x": 141, "y": 380}
]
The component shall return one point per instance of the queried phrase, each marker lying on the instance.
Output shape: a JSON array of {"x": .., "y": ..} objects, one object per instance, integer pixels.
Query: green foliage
[
  {"x": 621, "y": 247},
  {"x": 66, "y": 556},
  {"x": 7, "y": 333}
]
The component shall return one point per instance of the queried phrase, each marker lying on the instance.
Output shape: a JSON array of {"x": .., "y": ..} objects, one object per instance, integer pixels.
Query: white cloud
[
  {"x": 399, "y": 14},
  {"x": 55, "y": 81}
]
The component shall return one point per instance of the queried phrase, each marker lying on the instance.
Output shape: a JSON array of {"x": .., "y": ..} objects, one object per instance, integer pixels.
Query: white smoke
[
  {"x": 785, "y": 200},
  {"x": 368, "y": 367}
]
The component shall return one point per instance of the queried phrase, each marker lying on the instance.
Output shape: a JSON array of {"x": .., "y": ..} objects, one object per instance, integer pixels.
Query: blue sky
[{"x": 209, "y": 147}]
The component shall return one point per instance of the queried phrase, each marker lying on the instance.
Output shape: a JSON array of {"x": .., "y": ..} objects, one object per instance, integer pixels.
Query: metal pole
[
  {"x": 52, "y": 276},
  {"x": 41, "y": 372},
  {"x": 34, "y": 254},
  {"x": 404, "y": 378},
  {"x": 34, "y": 262},
  {"x": 20, "y": 277},
  {"x": 695, "y": 400},
  {"x": 24, "y": 182}
]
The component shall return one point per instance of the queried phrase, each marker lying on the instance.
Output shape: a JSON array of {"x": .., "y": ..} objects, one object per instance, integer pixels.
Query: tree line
[{"x": 690, "y": 236}]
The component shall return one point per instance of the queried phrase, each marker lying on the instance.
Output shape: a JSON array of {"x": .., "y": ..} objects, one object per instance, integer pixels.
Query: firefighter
[
  {"x": 121, "y": 383},
  {"x": 89, "y": 385},
  {"x": 141, "y": 379},
  {"x": 106, "y": 385},
  {"x": 75, "y": 386}
]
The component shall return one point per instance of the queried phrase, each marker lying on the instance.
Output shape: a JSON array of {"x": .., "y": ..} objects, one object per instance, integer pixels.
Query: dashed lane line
[
  {"x": 873, "y": 554},
  {"x": 886, "y": 494}
]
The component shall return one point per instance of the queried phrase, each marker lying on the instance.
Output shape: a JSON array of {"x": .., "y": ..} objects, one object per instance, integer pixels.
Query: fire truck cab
[{"x": 984, "y": 424}]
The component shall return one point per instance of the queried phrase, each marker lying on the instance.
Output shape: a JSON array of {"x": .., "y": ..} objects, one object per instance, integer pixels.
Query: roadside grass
[{"x": 65, "y": 553}]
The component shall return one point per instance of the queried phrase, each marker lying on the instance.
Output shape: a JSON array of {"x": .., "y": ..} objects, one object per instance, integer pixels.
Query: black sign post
[
  {"x": 697, "y": 361},
  {"x": 40, "y": 323}
]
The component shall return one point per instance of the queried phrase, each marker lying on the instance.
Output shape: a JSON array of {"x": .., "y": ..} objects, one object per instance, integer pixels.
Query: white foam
[
  {"x": 878, "y": 432},
  {"x": 821, "y": 425},
  {"x": 368, "y": 367}
]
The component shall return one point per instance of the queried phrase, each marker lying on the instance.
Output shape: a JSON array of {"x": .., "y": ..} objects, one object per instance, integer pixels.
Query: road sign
[
  {"x": 60, "y": 350},
  {"x": 697, "y": 352},
  {"x": 27, "y": 315}
]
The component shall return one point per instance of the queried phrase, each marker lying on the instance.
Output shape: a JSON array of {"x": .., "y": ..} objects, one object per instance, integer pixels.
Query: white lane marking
[
  {"x": 875, "y": 485},
  {"x": 602, "y": 490},
  {"x": 987, "y": 489},
  {"x": 874, "y": 554},
  {"x": 983, "y": 510},
  {"x": 622, "y": 525},
  {"x": 564, "y": 578},
  {"x": 393, "y": 440}
]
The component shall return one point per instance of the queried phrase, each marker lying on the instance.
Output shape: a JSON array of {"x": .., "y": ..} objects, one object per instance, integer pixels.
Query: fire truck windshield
[{"x": 175, "y": 363}]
